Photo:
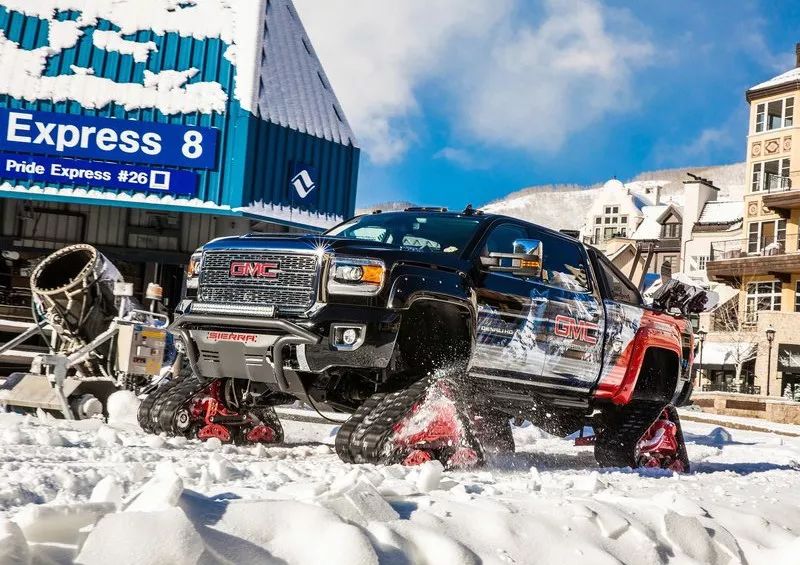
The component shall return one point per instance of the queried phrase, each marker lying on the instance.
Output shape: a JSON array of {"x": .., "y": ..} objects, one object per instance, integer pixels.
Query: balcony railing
[
  {"x": 729, "y": 387},
  {"x": 738, "y": 248},
  {"x": 594, "y": 240},
  {"x": 777, "y": 183}
]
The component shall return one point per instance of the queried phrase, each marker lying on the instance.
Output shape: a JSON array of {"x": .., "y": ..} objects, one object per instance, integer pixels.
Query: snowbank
[{"x": 91, "y": 502}]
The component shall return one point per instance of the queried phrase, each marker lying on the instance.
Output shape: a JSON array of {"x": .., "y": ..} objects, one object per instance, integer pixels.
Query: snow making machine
[{"x": 101, "y": 340}]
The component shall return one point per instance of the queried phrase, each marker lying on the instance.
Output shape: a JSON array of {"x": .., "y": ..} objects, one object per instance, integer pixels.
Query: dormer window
[
  {"x": 775, "y": 115},
  {"x": 671, "y": 230}
]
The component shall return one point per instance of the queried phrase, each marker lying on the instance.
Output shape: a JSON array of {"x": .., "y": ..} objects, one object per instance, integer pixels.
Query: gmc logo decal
[
  {"x": 576, "y": 329},
  {"x": 254, "y": 270}
]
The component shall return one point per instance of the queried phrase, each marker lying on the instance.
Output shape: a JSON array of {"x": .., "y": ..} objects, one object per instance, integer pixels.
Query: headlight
[
  {"x": 193, "y": 271},
  {"x": 352, "y": 275}
]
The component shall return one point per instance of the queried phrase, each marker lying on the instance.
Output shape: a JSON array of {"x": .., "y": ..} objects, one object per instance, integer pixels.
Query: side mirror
[{"x": 524, "y": 261}]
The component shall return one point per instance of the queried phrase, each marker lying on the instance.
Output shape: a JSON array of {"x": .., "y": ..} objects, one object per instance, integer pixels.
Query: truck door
[
  {"x": 574, "y": 317},
  {"x": 511, "y": 336}
]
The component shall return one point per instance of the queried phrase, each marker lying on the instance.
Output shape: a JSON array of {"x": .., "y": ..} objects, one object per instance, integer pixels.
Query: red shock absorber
[{"x": 209, "y": 406}]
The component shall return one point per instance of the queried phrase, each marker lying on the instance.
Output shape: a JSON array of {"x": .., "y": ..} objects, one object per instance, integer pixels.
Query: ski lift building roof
[{"x": 242, "y": 72}]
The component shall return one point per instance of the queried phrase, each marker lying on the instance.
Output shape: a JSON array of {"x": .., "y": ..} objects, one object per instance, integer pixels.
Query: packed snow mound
[
  {"x": 132, "y": 501},
  {"x": 122, "y": 407}
]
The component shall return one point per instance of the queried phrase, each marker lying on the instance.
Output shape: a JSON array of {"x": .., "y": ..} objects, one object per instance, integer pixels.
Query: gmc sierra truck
[{"x": 432, "y": 329}]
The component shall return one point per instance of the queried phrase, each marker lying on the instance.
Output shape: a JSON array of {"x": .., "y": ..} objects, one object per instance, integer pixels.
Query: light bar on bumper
[
  {"x": 356, "y": 276},
  {"x": 229, "y": 309}
]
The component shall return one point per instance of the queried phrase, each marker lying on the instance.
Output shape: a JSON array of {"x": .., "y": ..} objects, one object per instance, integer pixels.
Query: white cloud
[
  {"x": 502, "y": 76},
  {"x": 376, "y": 52},
  {"x": 706, "y": 147},
  {"x": 461, "y": 157},
  {"x": 541, "y": 83}
]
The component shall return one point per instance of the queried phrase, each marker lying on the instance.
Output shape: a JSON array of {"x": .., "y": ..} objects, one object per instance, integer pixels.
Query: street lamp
[
  {"x": 701, "y": 337},
  {"x": 770, "y": 338}
]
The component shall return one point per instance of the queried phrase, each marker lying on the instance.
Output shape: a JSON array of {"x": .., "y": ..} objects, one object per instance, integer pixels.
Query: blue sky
[{"x": 458, "y": 101}]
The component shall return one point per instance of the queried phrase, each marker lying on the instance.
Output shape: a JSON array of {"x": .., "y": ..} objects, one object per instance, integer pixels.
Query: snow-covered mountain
[{"x": 563, "y": 206}]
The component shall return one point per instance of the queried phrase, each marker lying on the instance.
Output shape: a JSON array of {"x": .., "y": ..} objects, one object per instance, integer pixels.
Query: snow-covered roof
[
  {"x": 652, "y": 220},
  {"x": 717, "y": 212},
  {"x": 255, "y": 210},
  {"x": 294, "y": 91},
  {"x": 785, "y": 78},
  {"x": 720, "y": 354}
]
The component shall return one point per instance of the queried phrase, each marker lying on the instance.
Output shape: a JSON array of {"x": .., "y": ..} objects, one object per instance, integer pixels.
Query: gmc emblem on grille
[{"x": 254, "y": 269}]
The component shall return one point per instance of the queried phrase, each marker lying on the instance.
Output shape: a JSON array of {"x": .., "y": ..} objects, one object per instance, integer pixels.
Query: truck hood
[{"x": 335, "y": 245}]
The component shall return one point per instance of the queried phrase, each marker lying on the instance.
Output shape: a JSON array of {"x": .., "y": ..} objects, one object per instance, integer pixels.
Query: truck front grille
[{"x": 290, "y": 286}]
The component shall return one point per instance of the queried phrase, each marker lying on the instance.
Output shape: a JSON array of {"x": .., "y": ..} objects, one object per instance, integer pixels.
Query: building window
[
  {"x": 770, "y": 175},
  {"x": 797, "y": 296},
  {"x": 775, "y": 115},
  {"x": 768, "y": 237},
  {"x": 698, "y": 262},
  {"x": 762, "y": 296},
  {"x": 614, "y": 225},
  {"x": 671, "y": 230}
]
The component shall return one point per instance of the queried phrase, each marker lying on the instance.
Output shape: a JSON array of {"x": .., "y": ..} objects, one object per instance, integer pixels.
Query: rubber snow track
[{"x": 176, "y": 501}]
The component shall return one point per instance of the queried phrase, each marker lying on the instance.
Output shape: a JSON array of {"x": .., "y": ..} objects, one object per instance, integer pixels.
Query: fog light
[{"x": 349, "y": 337}]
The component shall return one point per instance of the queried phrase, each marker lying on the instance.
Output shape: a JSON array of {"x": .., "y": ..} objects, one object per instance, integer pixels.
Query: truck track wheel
[
  {"x": 263, "y": 427},
  {"x": 662, "y": 445},
  {"x": 425, "y": 421},
  {"x": 642, "y": 435}
]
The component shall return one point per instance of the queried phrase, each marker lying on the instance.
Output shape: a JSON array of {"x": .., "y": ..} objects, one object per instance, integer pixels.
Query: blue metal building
[{"x": 149, "y": 134}]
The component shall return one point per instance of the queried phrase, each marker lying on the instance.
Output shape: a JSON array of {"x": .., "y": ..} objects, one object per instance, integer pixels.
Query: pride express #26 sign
[{"x": 107, "y": 139}]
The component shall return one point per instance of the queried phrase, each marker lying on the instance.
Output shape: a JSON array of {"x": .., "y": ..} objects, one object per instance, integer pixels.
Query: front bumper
[{"x": 274, "y": 351}]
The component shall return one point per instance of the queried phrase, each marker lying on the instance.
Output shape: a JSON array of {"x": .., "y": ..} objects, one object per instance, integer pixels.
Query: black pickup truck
[{"x": 433, "y": 329}]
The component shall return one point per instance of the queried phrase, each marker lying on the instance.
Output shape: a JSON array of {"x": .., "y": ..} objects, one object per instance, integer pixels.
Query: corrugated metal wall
[
  {"x": 252, "y": 153},
  {"x": 51, "y": 225}
]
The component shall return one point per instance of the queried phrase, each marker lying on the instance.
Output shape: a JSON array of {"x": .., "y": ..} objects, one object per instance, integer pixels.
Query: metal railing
[
  {"x": 729, "y": 387},
  {"x": 738, "y": 248},
  {"x": 777, "y": 183},
  {"x": 594, "y": 240}
]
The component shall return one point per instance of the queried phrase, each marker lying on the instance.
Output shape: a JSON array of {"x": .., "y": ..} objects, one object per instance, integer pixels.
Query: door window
[
  {"x": 563, "y": 263},
  {"x": 619, "y": 287},
  {"x": 502, "y": 238}
]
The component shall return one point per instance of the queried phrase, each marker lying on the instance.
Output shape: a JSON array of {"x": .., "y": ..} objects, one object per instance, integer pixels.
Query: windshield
[{"x": 438, "y": 233}]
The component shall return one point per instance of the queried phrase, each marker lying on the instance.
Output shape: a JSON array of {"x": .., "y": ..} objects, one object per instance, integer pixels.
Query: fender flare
[
  {"x": 654, "y": 333},
  {"x": 412, "y": 284}
]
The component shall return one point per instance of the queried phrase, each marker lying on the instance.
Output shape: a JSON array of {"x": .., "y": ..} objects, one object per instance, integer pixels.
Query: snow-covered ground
[{"x": 95, "y": 493}]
